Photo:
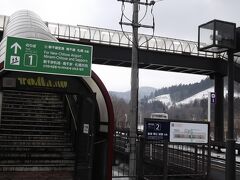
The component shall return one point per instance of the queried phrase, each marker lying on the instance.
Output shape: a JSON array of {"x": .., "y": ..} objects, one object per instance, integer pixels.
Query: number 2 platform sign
[
  {"x": 32, "y": 55},
  {"x": 156, "y": 130}
]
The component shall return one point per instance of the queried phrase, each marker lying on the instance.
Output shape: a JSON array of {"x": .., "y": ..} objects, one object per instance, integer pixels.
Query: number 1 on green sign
[{"x": 30, "y": 60}]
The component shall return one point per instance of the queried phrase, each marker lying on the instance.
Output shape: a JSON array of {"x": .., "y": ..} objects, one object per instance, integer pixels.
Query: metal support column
[
  {"x": 165, "y": 160},
  {"x": 140, "y": 160},
  {"x": 219, "y": 113},
  {"x": 230, "y": 142}
]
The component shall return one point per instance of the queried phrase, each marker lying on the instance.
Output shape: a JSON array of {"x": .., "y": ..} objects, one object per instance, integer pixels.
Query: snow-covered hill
[
  {"x": 203, "y": 95},
  {"x": 165, "y": 99},
  {"x": 198, "y": 96}
]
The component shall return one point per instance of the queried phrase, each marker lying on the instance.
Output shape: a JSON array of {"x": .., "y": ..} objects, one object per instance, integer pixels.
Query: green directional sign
[{"x": 40, "y": 56}]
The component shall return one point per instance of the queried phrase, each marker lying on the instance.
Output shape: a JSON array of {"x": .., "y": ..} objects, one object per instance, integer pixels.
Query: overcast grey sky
[{"x": 174, "y": 18}]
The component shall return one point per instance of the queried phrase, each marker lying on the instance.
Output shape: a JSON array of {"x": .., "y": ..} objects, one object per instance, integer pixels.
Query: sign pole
[
  {"x": 211, "y": 100},
  {"x": 209, "y": 106}
]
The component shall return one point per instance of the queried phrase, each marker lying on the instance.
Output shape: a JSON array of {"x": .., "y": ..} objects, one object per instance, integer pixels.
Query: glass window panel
[
  {"x": 64, "y": 30},
  {"x": 115, "y": 39},
  {"x": 105, "y": 36},
  {"x": 96, "y": 35},
  {"x": 152, "y": 44},
  {"x": 74, "y": 32},
  {"x": 53, "y": 28},
  {"x": 84, "y": 33}
]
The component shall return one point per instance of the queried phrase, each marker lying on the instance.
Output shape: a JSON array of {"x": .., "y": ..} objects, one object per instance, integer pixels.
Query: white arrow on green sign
[{"x": 40, "y": 56}]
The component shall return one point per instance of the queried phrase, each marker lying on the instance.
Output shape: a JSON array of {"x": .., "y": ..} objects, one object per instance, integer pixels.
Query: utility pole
[
  {"x": 134, "y": 83},
  {"x": 134, "y": 92}
]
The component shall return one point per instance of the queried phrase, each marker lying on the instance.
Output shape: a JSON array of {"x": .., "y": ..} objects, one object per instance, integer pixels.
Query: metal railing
[
  {"x": 118, "y": 38},
  {"x": 176, "y": 160},
  {"x": 160, "y": 159}
]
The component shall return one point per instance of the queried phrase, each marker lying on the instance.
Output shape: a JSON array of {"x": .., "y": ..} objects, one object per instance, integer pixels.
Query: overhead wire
[
  {"x": 123, "y": 9},
  {"x": 146, "y": 10},
  {"x": 121, "y": 20},
  {"x": 156, "y": 1},
  {"x": 153, "y": 27}
]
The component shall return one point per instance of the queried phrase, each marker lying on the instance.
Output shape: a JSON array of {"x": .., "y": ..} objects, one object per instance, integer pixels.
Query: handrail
[
  {"x": 118, "y": 38},
  {"x": 72, "y": 114}
]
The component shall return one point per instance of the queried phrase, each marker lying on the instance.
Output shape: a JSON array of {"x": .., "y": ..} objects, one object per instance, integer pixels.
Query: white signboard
[
  {"x": 85, "y": 128},
  {"x": 188, "y": 132}
]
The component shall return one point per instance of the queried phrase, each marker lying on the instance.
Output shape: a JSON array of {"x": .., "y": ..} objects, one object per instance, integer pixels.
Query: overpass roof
[{"x": 124, "y": 39}]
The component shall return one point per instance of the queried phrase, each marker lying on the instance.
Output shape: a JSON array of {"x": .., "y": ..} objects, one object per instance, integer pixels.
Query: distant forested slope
[{"x": 180, "y": 92}]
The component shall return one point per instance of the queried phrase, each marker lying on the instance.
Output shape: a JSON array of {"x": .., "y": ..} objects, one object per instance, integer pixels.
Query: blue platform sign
[
  {"x": 156, "y": 130},
  {"x": 213, "y": 97}
]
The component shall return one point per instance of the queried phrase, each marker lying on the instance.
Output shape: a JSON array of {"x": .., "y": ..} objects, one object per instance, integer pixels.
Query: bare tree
[{"x": 121, "y": 109}]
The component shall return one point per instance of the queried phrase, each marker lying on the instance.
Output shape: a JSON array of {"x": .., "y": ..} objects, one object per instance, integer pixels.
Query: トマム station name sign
[
  {"x": 32, "y": 55},
  {"x": 42, "y": 82}
]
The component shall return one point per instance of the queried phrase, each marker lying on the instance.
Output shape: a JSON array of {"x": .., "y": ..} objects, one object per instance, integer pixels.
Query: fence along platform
[{"x": 160, "y": 159}]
